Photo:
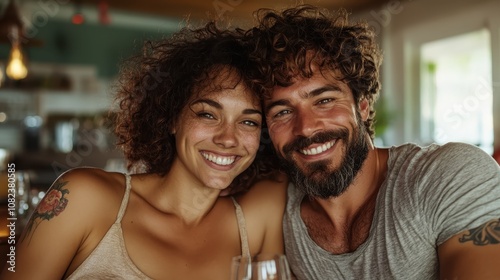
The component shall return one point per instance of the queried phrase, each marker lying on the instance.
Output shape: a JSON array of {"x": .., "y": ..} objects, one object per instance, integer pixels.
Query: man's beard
[{"x": 322, "y": 182}]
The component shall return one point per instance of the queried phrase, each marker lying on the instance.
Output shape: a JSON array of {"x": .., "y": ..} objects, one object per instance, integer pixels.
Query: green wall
[{"x": 104, "y": 46}]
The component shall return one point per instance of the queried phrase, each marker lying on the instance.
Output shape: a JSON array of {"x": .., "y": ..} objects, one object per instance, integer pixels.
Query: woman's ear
[{"x": 173, "y": 128}]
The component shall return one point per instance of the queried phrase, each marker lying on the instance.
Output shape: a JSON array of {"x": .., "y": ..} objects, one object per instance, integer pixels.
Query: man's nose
[{"x": 306, "y": 123}]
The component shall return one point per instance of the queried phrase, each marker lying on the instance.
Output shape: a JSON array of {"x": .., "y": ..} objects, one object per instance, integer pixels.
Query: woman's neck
[{"x": 180, "y": 195}]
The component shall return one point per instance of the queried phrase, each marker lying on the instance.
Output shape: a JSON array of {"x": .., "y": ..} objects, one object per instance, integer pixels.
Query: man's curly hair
[
  {"x": 153, "y": 88},
  {"x": 285, "y": 45}
]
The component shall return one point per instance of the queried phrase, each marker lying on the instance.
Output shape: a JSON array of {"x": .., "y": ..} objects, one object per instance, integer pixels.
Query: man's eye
[
  {"x": 282, "y": 113},
  {"x": 324, "y": 101}
]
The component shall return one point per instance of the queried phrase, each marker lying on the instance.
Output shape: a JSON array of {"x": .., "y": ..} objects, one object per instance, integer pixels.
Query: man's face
[{"x": 318, "y": 132}]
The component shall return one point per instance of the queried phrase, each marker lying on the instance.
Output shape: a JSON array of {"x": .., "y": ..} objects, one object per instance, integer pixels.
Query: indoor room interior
[{"x": 440, "y": 75}]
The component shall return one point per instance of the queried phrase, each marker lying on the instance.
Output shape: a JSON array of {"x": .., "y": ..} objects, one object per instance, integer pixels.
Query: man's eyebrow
[
  {"x": 320, "y": 90},
  {"x": 281, "y": 102},
  {"x": 313, "y": 93}
]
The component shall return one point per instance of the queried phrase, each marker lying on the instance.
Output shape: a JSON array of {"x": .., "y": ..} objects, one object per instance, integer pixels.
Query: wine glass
[{"x": 260, "y": 267}]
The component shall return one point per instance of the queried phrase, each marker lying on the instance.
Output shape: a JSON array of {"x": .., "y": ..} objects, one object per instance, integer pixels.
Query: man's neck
[{"x": 341, "y": 224}]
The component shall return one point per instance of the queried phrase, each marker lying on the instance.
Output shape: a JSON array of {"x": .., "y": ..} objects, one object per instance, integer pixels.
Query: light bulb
[{"x": 16, "y": 68}]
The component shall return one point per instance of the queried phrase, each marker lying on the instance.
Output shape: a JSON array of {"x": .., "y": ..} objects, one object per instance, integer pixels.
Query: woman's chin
[{"x": 220, "y": 185}]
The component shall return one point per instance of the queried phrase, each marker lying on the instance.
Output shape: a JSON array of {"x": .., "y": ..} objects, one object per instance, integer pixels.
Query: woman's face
[{"x": 217, "y": 134}]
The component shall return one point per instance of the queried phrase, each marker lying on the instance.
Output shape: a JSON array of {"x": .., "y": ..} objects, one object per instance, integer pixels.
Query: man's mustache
[{"x": 301, "y": 142}]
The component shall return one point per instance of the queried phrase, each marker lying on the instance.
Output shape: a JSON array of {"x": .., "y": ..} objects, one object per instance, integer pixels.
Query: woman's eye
[
  {"x": 205, "y": 115},
  {"x": 251, "y": 123}
]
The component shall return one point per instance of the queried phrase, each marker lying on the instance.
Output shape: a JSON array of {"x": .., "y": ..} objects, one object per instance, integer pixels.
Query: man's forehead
[{"x": 328, "y": 76}]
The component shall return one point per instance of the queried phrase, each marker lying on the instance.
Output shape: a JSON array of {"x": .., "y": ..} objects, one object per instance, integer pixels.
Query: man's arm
[{"x": 472, "y": 254}]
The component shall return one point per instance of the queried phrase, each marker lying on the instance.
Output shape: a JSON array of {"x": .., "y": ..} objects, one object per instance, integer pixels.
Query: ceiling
[{"x": 233, "y": 9}]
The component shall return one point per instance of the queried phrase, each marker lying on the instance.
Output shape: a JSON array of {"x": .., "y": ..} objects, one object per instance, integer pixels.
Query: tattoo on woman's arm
[
  {"x": 485, "y": 234},
  {"x": 50, "y": 206}
]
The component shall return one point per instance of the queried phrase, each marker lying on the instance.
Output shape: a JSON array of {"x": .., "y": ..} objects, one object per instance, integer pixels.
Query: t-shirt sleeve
[{"x": 459, "y": 188}]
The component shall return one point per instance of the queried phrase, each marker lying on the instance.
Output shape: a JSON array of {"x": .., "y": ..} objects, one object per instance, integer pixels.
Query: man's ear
[{"x": 364, "y": 109}]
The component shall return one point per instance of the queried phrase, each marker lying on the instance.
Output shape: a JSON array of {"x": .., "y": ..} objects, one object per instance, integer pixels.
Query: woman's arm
[{"x": 60, "y": 226}]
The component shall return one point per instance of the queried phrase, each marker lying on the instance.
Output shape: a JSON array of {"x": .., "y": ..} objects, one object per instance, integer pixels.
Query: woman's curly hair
[
  {"x": 286, "y": 45},
  {"x": 153, "y": 88}
]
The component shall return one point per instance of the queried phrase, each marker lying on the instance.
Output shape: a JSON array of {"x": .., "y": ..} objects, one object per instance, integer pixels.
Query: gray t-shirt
[{"x": 430, "y": 194}]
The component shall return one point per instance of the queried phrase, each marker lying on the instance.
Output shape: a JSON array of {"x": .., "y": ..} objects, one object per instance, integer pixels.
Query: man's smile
[{"x": 319, "y": 149}]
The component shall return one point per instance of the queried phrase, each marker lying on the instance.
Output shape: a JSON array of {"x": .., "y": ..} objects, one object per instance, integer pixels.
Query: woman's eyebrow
[
  {"x": 252, "y": 111},
  {"x": 207, "y": 101},
  {"x": 219, "y": 106}
]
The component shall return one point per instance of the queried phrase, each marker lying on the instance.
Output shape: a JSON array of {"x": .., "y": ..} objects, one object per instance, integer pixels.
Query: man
[{"x": 356, "y": 211}]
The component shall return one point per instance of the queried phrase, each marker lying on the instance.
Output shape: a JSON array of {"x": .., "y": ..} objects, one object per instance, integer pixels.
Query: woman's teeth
[
  {"x": 318, "y": 150},
  {"x": 220, "y": 160}
]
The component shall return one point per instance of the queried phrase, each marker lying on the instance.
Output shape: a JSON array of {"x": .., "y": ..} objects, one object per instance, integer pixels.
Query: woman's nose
[{"x": 226, "y": 136}]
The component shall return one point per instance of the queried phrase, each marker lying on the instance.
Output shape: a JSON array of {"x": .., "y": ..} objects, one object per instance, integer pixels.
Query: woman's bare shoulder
[
  {"x": 90, "y": 192},
  {"x": 275, "y": 186},
  {"x": 92, "y": 181},
  {"x": 93, "y": 175},
  {"x": 263, "y": 207},
  {"x": 268, "y": 193}
]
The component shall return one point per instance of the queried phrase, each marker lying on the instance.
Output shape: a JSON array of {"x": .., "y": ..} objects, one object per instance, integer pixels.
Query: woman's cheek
[
  {"x": 255, "y": 142},
  {"x": 248, "y": 139}
]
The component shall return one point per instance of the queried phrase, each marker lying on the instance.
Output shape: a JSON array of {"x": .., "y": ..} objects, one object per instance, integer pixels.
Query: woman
[{"x": 191, "y": 122}]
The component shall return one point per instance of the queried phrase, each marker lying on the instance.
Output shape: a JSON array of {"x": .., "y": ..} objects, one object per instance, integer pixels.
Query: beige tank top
[{"x": 110, "y": 259}]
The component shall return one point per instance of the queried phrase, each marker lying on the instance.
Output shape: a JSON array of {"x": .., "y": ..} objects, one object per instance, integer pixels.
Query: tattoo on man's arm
[
  {"x": 485, "y": 234},
  {"x": 53, "y": 204}
]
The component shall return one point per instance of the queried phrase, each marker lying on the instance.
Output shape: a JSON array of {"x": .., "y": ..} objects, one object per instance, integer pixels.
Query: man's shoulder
[
  {"x": 432, "y": 168},
  {"x": 438, "y": 168},
  {"x": 451, "y": 151}
]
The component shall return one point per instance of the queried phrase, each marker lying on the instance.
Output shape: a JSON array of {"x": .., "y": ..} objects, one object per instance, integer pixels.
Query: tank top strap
[
  {"x": 245, "y": 251},
  {"x": 124, "y": 203}
]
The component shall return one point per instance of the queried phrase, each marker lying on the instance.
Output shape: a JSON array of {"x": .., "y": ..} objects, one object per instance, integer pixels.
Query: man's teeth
[
  {"x": 317, "y": 150},
  {"x": 219, "y": 159}
]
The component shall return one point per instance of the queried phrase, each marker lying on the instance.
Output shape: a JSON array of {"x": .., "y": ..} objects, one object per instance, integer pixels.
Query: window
[{"x": 456, "y": 90}]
